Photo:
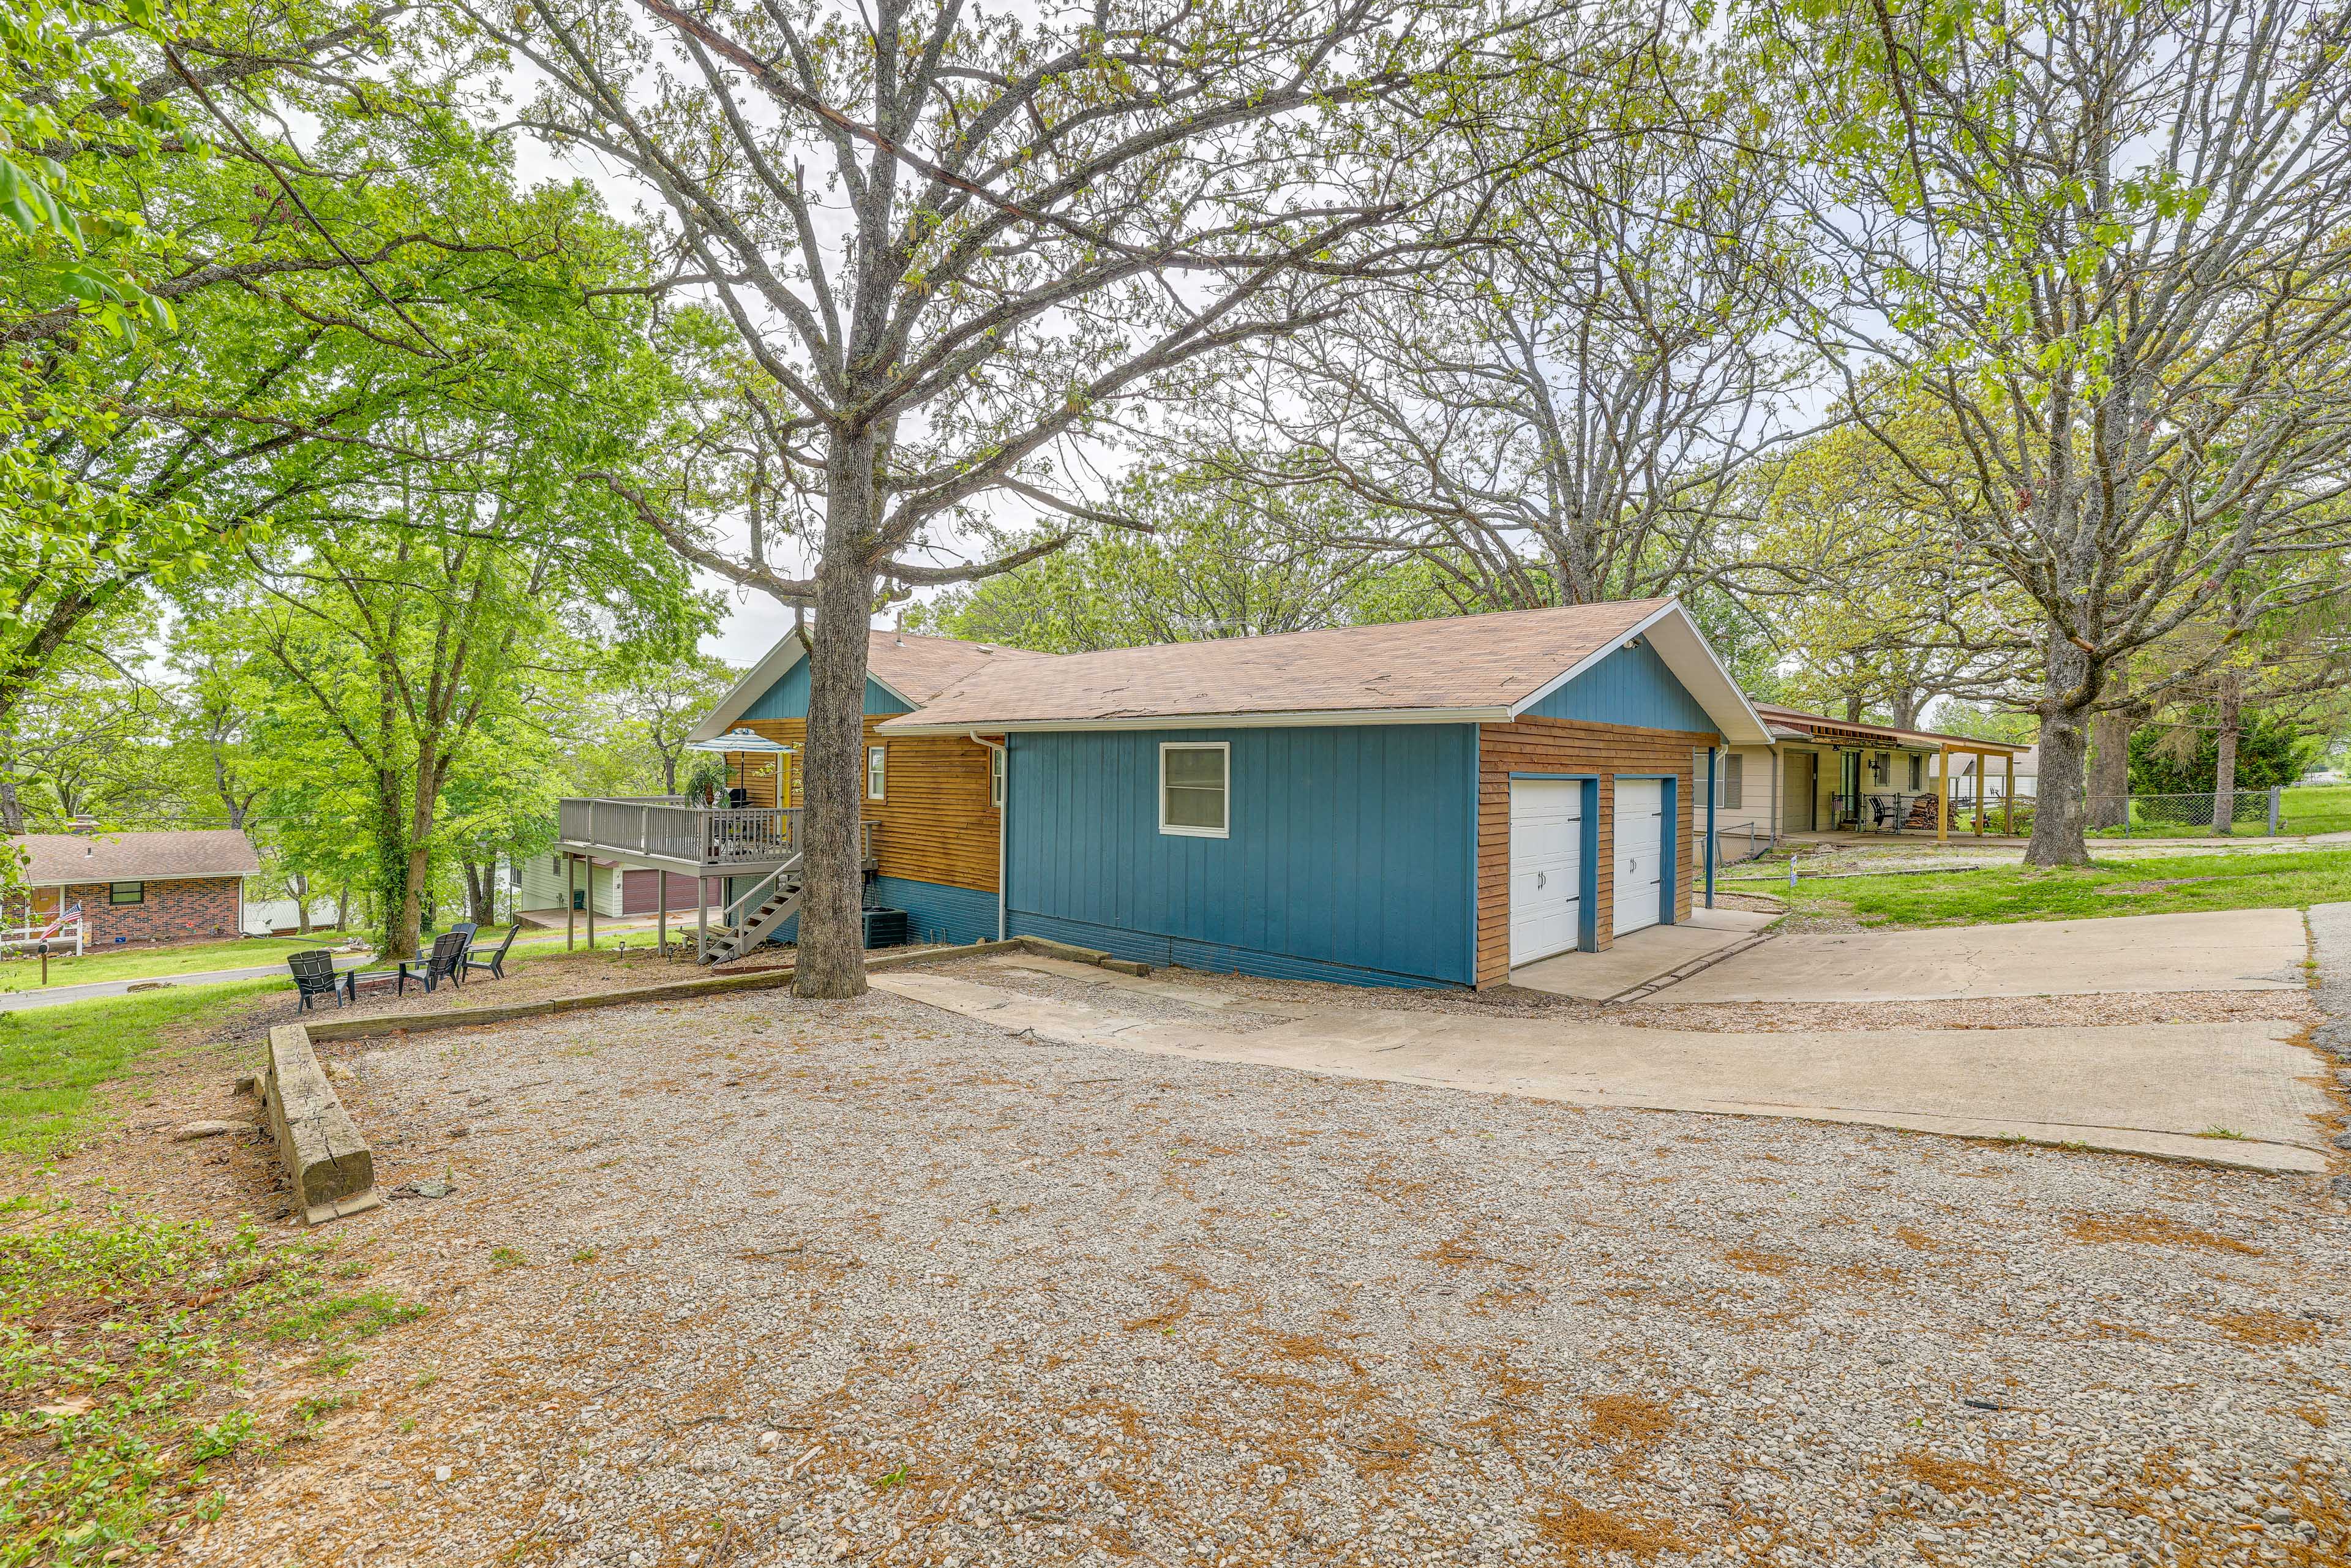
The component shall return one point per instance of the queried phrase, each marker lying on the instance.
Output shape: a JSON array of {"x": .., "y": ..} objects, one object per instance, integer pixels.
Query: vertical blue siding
[
  {"x": 934, "y": 912},
  {"x": 1631, "y": 687},
  {"x": 1352, "y": 847},
  {"x": 789, "y": 697}
]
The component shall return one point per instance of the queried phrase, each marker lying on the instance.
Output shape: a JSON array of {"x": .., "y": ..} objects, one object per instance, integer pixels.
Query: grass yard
[
  {"x": 53, "y": 1061},
  {"x": 24, "y": 973},
  {"x": 2005, "y": 892}
]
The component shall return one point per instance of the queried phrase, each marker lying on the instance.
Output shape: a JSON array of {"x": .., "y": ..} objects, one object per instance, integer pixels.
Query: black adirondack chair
[
  {"x": 496, "y": 962},
  {"x": 315, "y": 977},
  {"x": 446, "y": 961}
]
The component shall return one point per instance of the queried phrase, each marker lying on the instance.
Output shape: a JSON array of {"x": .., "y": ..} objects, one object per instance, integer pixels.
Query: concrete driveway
[
  {"x": 2237, "y": 1095},
  {"x": 2225, "y": 950}
]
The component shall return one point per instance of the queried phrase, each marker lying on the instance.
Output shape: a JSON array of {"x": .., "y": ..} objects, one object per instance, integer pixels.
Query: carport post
[
  {"x": 2008, "y": 800},
  {"x": 570, "y": 897},
  {"x": 1943, "y": 797},
  {"x": 592, "y": 903},
  {"x": 661, "y": 916},
  {"x": 1712, "y": 784}
]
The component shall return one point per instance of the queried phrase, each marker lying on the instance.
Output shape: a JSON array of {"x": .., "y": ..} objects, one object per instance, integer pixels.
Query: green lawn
[
  {"x": 2004, "y": 892},
  {"x": 53, "y": 1061},
  {"x": 24, "y": 973},
  {"x": 152, "y": 963}
]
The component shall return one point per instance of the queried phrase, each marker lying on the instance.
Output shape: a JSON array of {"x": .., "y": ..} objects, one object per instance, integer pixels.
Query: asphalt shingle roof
[
  {"x": 1470, "y": 662},
  {"x": 137, "y": 857}
]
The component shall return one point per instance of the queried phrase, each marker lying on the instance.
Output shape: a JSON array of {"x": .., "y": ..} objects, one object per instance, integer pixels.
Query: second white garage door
[
  {"x": 1546, "y": 867},
  {"x": 1640, "y": 852}
]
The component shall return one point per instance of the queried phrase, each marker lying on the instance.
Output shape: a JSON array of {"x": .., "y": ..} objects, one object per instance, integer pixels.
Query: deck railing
[
  {"x": 668, "y": 829},
  {"x": 665, "y": 827}
]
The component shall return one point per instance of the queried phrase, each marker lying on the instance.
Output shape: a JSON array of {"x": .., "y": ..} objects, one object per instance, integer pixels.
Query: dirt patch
[{"x": 2155, "y": 1230}]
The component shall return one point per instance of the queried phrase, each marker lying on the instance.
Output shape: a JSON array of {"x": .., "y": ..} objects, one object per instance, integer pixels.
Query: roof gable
[
  {"x": 1630, "y": 686},
  {"x": 903, "y": 672}
]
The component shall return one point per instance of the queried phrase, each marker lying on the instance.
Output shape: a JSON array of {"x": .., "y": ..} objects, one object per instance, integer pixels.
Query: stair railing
[{"x": 734, "y": 911}]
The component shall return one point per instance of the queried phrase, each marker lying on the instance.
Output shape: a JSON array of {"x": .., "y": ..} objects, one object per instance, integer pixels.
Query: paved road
[{"x": 57, "y": 996}]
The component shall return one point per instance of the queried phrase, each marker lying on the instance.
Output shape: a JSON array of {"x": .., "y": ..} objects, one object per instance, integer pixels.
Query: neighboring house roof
[
  {"x": 911, "y": 668},
  {"x": 1460, "y": 669},
  {"x": 137, "y": 857},
  {"x": 1795, "y": 724}
]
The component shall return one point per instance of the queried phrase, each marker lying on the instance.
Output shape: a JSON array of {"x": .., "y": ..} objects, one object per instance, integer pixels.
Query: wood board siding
[
  {"x": 1536, "y": 745},
  {"x": 936, "y": 821}
]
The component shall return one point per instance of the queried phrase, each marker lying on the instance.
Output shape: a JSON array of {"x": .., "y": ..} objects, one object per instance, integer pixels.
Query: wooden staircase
[{"x": 780, "y": 899}]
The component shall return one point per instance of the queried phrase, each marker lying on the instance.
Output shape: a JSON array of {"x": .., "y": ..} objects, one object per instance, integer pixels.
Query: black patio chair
[
  {"x": 315, "y": 977},
  {"x": 446, "y": 961},
  {"x": 495, "y": 963}
]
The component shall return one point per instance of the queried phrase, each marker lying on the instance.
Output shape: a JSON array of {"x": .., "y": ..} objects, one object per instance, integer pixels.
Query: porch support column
[
  {"x": 570, "y": 897},
  {"x": 591, "y": 904},
  {"x": 1983, "y": 784},
  {"x": 1713, "y": 784},
  {"x": 2008, "y": 801},
  {"x": 660, "y": 915},
  {"x": 701, "y": 921},
  {"x": 1943, "y": 796}
]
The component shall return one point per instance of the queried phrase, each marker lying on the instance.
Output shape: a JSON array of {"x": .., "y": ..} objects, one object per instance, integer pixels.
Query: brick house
[{"x": 136, "y": 887}]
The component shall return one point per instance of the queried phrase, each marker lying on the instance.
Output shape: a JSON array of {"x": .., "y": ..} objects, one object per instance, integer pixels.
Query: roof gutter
[{"x": 911, "y": 724}]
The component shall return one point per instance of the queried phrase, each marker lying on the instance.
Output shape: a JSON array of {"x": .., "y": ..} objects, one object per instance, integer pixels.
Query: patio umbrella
[{"x": 744, "y": 743}]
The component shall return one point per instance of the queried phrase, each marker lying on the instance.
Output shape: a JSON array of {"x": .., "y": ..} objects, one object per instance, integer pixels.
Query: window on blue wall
[{"x": 1193, "y": 779}]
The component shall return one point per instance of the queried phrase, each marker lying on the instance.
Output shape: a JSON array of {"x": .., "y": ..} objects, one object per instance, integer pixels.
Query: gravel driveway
[{"x": 750, "y": 1280}]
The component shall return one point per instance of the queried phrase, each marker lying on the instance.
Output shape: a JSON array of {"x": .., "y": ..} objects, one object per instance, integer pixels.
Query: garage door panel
[
  {"x": 1546, "y": 867},
  {"x": 1636, "y": 851}
]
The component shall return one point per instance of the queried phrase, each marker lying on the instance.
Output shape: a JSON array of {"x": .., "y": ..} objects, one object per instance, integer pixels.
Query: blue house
[{"x": 1426, "y": 804}]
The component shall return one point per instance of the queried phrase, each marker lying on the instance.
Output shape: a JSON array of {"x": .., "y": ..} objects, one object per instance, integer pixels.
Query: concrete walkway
[
  {"x": 2222, "y": 950},
  {"x": 1641, "y": 958},
  {"x": 2240, "y": 1096}
]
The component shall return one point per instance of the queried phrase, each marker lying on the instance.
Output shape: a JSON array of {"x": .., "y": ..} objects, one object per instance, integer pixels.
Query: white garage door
[
  {"x": 1546, "y": 867},
  {"x": 1640, "y": 851}
]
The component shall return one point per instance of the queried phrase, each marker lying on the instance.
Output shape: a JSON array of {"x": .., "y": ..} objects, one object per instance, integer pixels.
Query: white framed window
[
  {"x": 995, "y": 776},
  {"x": 1734, "y": 781},
  {"x": 876, "y": 771},
  {"x": 1194, "y": 779}
]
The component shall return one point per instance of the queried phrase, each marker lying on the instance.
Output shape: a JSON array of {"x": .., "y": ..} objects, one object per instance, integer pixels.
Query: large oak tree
[{"x": 952, "y": 241}]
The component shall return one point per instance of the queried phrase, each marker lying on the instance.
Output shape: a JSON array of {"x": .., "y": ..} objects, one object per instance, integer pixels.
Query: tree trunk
[
  {"x": 299, "y": 886},
  {"x": 343, "y": 907},
  {"x": 2225, "y": 773},
  {"x": 832, "y": 935},
  {"x": 1853, "y": 707},
  {"x": 2057, "y": 815},
  {"x": 1907, "y": 703},
  {"x": 394, "y": 912},
  {"x": 2110, "y": 735},
  {"x": 12, "y": 809}
]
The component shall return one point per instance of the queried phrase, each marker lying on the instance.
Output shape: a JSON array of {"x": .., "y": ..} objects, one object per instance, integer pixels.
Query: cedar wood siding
[
  {"x": 934, "y": 819},
  {"x": 1539, "y": 745}
]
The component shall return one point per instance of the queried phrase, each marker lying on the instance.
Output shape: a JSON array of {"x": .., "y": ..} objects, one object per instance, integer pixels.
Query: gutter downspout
[
  {"x": 1713, "y": 789},
  {"x": 1003, "y": 810}
]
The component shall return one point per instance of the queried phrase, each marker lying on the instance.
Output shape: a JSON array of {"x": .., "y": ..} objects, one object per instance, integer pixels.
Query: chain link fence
[{"x": 2165, "y": 815}]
